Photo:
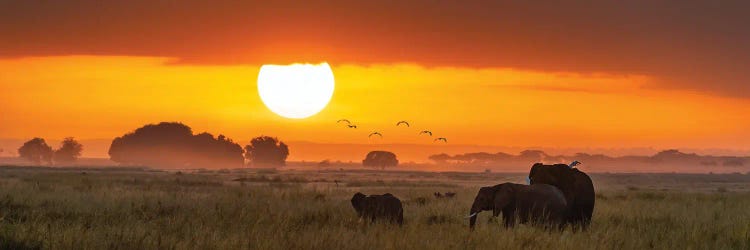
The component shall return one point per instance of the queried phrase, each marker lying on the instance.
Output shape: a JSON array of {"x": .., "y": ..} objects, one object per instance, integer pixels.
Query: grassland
[{"x": 263, "y": 209}]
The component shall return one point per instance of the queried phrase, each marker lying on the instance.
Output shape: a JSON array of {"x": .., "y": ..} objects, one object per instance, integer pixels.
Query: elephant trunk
[{"x": 473, "y": 217}]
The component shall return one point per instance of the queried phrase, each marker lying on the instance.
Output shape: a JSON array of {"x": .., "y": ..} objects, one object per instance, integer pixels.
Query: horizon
[{"x": 101, "y": 146}]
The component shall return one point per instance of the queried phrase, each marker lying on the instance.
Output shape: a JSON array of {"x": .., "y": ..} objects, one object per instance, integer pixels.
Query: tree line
[
  {"x": 170, "y": 145},
  {"x": 174, "y": 145}
]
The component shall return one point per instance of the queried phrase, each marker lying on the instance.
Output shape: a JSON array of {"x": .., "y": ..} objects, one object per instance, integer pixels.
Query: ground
[{"x": 132, "y": 208}]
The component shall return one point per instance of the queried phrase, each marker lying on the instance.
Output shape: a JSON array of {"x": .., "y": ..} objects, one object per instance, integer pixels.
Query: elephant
[
  {"x": 539, "y": 204},
  {"x": 378, "y": 207},
  {"x": 575, "y": 185}
]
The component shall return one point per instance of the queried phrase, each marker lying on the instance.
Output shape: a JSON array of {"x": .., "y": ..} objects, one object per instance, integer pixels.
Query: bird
[
  {"x": 574, "y": 164},
  {"x": 375, "y": 133},
  {"x": 442, "y": 139},
  {"x": 344, "y": 120},
  {"x": 402, "y": 122},
  {"x": 426, "y": 132},
  {"x": 352, "y": 126}
]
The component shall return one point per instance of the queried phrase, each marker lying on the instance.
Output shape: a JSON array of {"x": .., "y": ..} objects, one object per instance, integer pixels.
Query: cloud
[
  {"x": 555, "y": 88},
  {"x": 695, "y": 45}
]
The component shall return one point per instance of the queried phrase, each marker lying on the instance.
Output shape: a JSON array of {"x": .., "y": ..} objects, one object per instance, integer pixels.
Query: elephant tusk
[{"x": 472, "y": 215}]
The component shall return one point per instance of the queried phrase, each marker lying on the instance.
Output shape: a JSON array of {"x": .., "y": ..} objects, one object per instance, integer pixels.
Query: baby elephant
[
  {"x": 538, "y": 203},
  {"x": 384, "y": 207}
]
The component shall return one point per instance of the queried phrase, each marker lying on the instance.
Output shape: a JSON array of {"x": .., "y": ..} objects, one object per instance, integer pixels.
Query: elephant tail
[{"x": 400, "y": 218}]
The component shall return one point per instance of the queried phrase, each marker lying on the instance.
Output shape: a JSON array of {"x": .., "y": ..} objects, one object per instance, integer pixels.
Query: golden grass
[{"x": 139, "y": 209}]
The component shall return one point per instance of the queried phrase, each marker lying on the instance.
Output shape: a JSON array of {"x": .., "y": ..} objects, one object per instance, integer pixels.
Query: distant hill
[{"x": 664, "y": 161}]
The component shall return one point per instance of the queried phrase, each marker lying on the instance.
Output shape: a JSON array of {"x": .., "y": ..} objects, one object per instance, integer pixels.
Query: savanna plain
[{"x": 140, "y": 208}]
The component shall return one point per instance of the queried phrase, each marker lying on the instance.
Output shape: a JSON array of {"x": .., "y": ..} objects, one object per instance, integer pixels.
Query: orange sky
[
  {"x": 106, "y": 96},
  {"x": 602, "y": 74}
]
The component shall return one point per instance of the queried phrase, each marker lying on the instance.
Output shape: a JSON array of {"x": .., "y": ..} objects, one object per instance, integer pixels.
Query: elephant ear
[
  {"x": 504, "y": 195},
  {"x": 370, "y": 204}
]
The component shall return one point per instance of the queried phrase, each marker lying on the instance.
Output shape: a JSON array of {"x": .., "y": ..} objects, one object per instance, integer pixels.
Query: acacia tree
[
  {"x": 36, "y": 150},
  {"x": 380, "y": 159},
  {"x": 266, "y": 151},
  {"x": 68, "y": 152}
]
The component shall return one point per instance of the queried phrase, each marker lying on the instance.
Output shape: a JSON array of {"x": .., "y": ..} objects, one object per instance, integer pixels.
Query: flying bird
[
  {"x": 574, "y": 164},
  {"x": 352, "y": 126},
  {"x": 375, "y": 133},
  {"x": 402, "y": 122},
  {"x": 442, "y": 139},
  {"x": 426, "y": 132},
  {"x": 344, "y": 120}
]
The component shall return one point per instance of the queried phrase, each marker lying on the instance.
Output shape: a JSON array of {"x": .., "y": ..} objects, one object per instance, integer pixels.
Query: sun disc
[{"x": 296, "y": 91}]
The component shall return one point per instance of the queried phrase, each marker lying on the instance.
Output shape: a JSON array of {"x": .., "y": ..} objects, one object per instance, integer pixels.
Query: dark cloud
[{"x": 689, "y": 44}]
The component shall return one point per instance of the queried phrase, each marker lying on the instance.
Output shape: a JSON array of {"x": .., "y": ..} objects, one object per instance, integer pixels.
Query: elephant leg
[
  {"x": 509, "y": 220},
  {"x": 580, "y": 220},
  {"x": 585, "y": 223}
]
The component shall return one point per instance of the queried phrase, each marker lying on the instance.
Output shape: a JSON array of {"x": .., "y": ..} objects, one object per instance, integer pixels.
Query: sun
[{"x": 296, "y": 91}]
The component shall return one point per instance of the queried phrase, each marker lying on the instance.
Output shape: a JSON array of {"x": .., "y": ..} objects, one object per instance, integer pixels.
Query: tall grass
[{"x": 160, "y": 210}]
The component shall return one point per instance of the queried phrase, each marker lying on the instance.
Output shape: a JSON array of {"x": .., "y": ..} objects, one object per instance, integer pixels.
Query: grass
[{"x": 143, "y": 209}]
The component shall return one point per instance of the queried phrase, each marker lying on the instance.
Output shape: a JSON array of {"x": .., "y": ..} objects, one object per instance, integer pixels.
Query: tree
[
  {"x": 36, "y": 150},
  {"x": 266, "y": 151},
  {"x": 172, "y": 144},
  {"x": 440, "y": 158},
  {"x": 68, "y": 152},
  {"x": 381, "y": 159}
]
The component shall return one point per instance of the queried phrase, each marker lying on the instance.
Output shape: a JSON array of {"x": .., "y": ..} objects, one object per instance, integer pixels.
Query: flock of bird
[{"x": 351, "y": 125}]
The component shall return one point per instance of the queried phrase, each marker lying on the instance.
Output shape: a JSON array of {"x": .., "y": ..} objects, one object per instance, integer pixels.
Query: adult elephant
[
  {"x": 575, "y": 185},
  {"x": 539, "y": 204},
  {"x": 378, "y": 207}
]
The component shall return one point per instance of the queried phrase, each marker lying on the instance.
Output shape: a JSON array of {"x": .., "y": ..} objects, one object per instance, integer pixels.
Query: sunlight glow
[{"x": 296, "y": 91}]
